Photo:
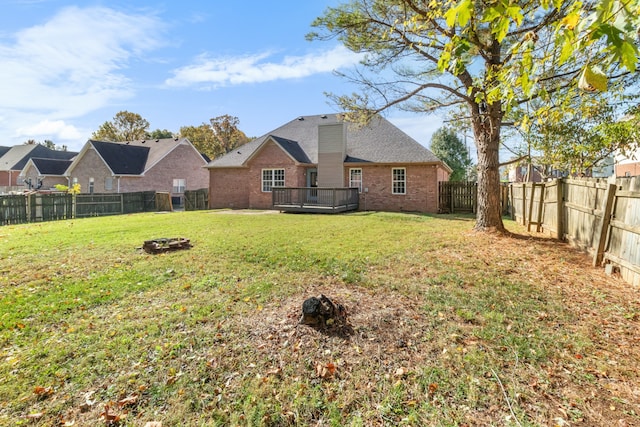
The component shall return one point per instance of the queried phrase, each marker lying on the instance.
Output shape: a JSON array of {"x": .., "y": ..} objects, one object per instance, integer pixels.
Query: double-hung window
[
  {"x": 355, "y": 179},
  {"x": 272, "y": 178},
  {"x": 398, "y": 181},
  {"x": 179, "y": 185}
]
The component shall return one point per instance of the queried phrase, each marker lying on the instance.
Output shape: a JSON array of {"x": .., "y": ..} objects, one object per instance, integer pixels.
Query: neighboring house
[
  {"x": 523, "y": 172},
  {"x": 44, "y": 174},
  {"x": 392, "y": 171},
  {"x": 15, "y": 159},
  {"x": 170, "y": 165},
  {"x": 628, "y": 165}
]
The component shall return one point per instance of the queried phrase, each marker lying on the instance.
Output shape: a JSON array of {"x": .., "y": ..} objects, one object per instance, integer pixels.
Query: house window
[
  {"x": 179, "y": 185},
  {"x": 399, "y": 181},
  {"x": 355, "y": 179},
  {"x": 108, "y": 183},
  {"x": 272, "y": 178},
  {"x": 90, "y": 185}
]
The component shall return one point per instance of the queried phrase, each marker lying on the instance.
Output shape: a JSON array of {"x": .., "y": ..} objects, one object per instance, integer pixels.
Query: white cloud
[
  {"x": 55, "y": 130},
  {"x": 255, "y": 69},
  {"x": 70, "y": 65}
]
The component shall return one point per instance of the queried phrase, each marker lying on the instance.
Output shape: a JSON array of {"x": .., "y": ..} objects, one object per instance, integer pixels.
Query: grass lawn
[{"x": 447, "y": 327}]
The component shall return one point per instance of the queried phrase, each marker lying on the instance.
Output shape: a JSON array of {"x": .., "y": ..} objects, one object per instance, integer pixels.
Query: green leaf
[
  {"x": 450, "y": 16},
  {"x": 593, "y": 79},
  {"x": 628, "y": 55},
  {"x": 567, "y": 50},
  {"x": 464, "y": 12}
]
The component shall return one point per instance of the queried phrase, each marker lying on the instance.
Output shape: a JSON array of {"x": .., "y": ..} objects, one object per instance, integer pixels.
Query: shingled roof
[
  {"x": 133, "y": 157},
  {"x": 50, "y": 166},
  {"x": 378, "y": 142},
  {"x": 17, "y": 156},
  {"x": 122, "y": 159}
]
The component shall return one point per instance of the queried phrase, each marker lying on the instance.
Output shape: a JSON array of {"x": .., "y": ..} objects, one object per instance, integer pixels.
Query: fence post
[
  {"x": 511, "y": 199},
  {"x": 560, "y": 209},
  {"x": 543, "y": 188},
  {"x": 604, "y": 224},
  {"x": 451, "y": 194},
  {"x": 524, "y": 203}
]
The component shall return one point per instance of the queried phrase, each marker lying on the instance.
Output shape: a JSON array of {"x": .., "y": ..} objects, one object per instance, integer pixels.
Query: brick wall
[
  {"x": 421, "y": 188},
  {"x": 228, "y": 188},
  {"x": 628, "y": 169},
  {"x": 271, "y": 156},
  {"x": 241, "y": 188},
  {"x": 91, "y": 166}
]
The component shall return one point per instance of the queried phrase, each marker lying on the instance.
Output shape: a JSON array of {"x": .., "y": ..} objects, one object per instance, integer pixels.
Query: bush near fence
[{"x": 599, "y": 216}]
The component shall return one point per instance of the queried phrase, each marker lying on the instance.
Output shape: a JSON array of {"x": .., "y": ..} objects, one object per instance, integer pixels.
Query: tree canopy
[
  {"x": 160, "y": 134},
  {"x": 449, "y": 148},
  {"x": 125, "y": 126},
  {"x": 489, "y": 56},
  {"x": 218, "y": 137},
  {"x": 577, "y": 143}
]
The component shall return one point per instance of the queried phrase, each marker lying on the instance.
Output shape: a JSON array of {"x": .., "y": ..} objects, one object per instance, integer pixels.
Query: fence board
[
  {"x": 34, "y": 207},
  {"x": 454, "y": 197},
  {"x": 577, "y": 210},
  {"x": 196, "y": 199}
]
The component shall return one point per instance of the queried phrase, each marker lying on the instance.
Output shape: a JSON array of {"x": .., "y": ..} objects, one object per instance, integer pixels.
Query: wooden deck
[{"x": 314, "y": 199}]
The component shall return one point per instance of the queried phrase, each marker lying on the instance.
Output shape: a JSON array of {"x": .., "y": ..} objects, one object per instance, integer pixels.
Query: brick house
[
  {"x": 14, "y": 159},
  {"x": 170, "y": 165},
  {"x": 44, "y": 174},
  {"x": 391, "y": 170}
]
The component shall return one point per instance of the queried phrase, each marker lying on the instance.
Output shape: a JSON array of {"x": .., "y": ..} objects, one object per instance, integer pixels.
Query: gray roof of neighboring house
[
  {"x": 135, "y": 157},
  {"x": 378, "y": 142},
  {"x": 3, "y": 150},
  {"x": 17, "y": 157},
  {"x": 121, "y": 158},
  {"x": 50, "y": 166}
]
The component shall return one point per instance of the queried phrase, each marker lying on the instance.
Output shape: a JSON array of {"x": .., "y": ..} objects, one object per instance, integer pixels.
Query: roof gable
[{"x": 378, "y": 142}]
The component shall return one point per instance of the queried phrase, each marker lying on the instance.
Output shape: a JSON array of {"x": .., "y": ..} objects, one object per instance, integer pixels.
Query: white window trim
[
  {"x": 351, "y": 182},
  {"x": 272, "y": 181},
  {"x": 394, "y": 181}
]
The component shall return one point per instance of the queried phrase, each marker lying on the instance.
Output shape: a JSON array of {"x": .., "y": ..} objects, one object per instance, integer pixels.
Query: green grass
[{"x": 207, "y": 336}]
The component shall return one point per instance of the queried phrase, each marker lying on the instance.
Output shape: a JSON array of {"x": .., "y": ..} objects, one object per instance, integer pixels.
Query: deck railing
[{"x": 315, "y": 199}]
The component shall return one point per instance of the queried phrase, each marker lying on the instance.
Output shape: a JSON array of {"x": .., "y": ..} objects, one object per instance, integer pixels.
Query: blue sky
[{"x": 67, "y": 67}]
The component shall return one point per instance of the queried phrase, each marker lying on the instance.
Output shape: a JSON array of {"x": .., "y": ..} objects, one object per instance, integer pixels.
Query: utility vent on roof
[
  {"x": 324, "y": 116},
  {"x": 143, "y": 141},
  {"x": 301, "y": 118},
  {"x": 157, "y": 140}
]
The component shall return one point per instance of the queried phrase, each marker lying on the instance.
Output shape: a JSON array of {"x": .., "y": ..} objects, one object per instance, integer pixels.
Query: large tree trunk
[{"x": 486, "y": 128}]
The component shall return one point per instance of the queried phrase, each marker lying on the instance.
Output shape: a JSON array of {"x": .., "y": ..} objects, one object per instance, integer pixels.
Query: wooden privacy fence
[
  {"x": 196, "y": 200},
  {"x": 454, "y": 197},
  {"x": 36, "y": 207},
  {"x": 462, "y": 197},
  {"x": 599, "y": 216}
]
